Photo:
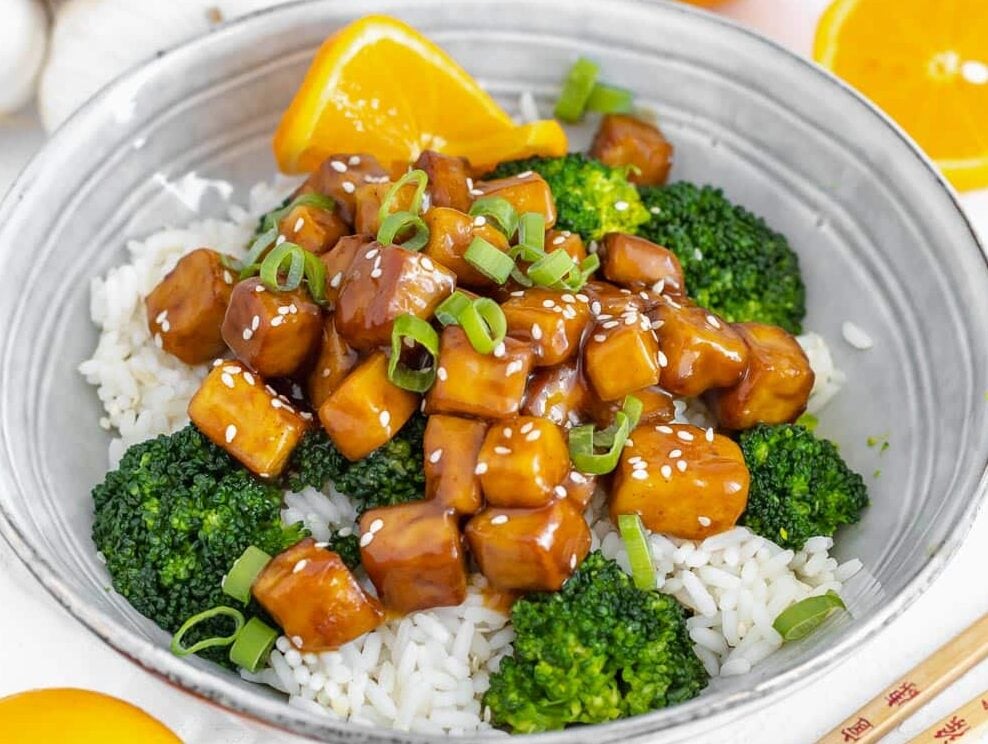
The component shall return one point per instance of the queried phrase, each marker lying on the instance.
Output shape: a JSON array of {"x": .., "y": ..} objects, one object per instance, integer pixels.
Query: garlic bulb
[
  {"x": 94, "y": 41},
  {"x": 23, "y": 40}
]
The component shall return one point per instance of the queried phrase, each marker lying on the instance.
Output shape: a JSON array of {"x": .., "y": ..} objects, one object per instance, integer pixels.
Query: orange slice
[
  {"x": 926, "y": 64},
  {"x": 378, "y": 86}
]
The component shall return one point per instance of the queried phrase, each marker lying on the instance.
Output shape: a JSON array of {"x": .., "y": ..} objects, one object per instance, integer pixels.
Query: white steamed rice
[{"x": 428, "y": 671}]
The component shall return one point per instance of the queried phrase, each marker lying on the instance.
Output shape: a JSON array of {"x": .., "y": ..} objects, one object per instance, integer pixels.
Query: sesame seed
[
  {"x": 569, "y": 312},
  {"x": 572, "y": 561},
  {"x": 643, "y": 295},
  {"x": 376, "y": 273},
  {"x": 427, "y": 264},
  {"x": 673, "y": 304},
  {"x": 633, "y": 460},
  {"x": 277, "y": 403},
  {"x": 560, "y": 491},
  {"x": 663, "y": 359},
  {"x": 499, "y": 519},
  {"x": 230, "y": 434},
  {"x": 629, "y": 442},
  {"x": 630, "y": 319},
  {"x": 337, "y": 166},
  {"x": 217, "y": 362},
  {"x": 685, "y": 436},
  {"x": 709, "y": 434},
  {"x": 249, "y": 378},
  {"x": 513, "y": 367},
  {"x": 228, "y": 277},
  {"x": 583, "y": 298},
  {"x": 322, "y": 545},
  {"x": 568, "y": 298},
  {"x": 655, "y": 210},
  {"x": 673, "y": 454},
  {"x": 502, "y": 450},
  {"x": 610, "y": 324},
  {"x": 713, "y": 321},
  {"x": 259, "y": 288},
  {"x": 526, "y": 427},
  {"x": 533, "y": 435},
  {"x": 227, "y": 380},
  {"x": 277, "y": 320},
  {"x": 639, "y": 474},
  {"x": 499, "y": 350},
  {"x": 299, "y": 224},
  {"x": 255, "y": 322},
  {"x": 659, "y": 286},
  {"x": 559, "y": 240},
  {"x": 664, "y": 429},
  {"x": 548, "y": 303},
  {"x": 640, "y": 465},
  {"x": 300, "y": 565},
  {"x": 366, "y": 539},
  {"x": 354, "y": 160},
  {"x": 657, "y": 324},
  {"x": 436, "y": 456},
  {"x": 518, "y": 293},
  {"x": 480, "y": 469},
  {"x": 247, "y": 334},
  {"x": 681, "y": 466},
  {"x": 620, "y": 206},
  {"x": 371, "y": 253},
  {"x": 599, "y": 338},
  {"x": 704, "y": 521},
  {"x": 293, "y": 309},
  {"x": 577, "y": 477},
  {"x": 385, "y": 418},
  {"x": 441, "y": 373},
  {"x": 697, "y": 254},
  {"x": 536, "y": 331},
  {"x": 666, "y": 472},
  {"x": 305, "y": 415},
  {"x": 335, "y": 281},
  {"x": 595, "y": 307},
  {"x": 165, "y": 326},
  {"x": 348, "y": 187},
  {"x": 479, "y": 221},
  {"x": 281, "y": 239},
  {"x": 376, "y": 526},
  {"x": 476, "y": 192},
  {"x": 160, "y": 318},
  {"x": 297, "y": 641},
  {"x": 283, "y": 310},
  {"x": 507, "y": 432}
]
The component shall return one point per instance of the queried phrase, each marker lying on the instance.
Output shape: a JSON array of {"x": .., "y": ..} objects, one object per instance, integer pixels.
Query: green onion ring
[
  {"x": 450, "y": 308},
  {"x": 273, "y": 264},
  {"x": 179, "y": 650},
  {"x": 499, "y": 210},
  {"x": 260, "y": 244},
  {"x": 581, "y": 274},
  {"x": 488, "y": 260},
  {"x": 395, "y": 224},
  {"x": 484, "y": 323},
  {"x": 639, "y": 556},
  {"x": 531, "y": 235},
  {"x": 253, "y": 645},
  {"x": 312, "y": 199},
  {"x": 609, "y": 99},
  {"x": 584, "y": 442},
  {"x": 238, "y": 582},
  {"x": 799, "y": 620},
  {"x": 419, "y": 178},
  {"x": 315, "y": 277},
  {"x": 418, "y": 330},
  {"x": 576, "y": 90},
  {"x": 550, "y": 270}
]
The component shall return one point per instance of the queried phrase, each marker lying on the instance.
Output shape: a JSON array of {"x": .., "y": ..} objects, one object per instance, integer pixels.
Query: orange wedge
[
  {"x": 925, "y": 63},
  {"x": 378, "y": 86}
]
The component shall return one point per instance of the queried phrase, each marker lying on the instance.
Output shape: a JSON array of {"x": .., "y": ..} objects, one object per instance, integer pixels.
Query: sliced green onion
[
  {"x": 519, "y": 276},
  {"x": 253, "y": 645},
  {"x": 809, "y": 421},
  {"x": 799, "y": 620},
  {"x": 244, "y": 571},
  {"x": 499, "y": 210},
  {"x": 450, "y": 308},
  {"x": 584, "y": 441},
  {"x": 274, "y": 264},
  {"x": 639, "y": 556},
  {"x": 576, "y": 90},
  {"x": 531, "y": 235},
  {"x": 609, "y": 99},
  {"x": 419, "y": 178},
  {"x": 398, "y": 223},
  {"x": 581, "y": 274},
  {"x": 488, "y": 260},
  {"x": 418, "y": 330},
  {"x": 550, "y": 270},
  {"x": 315, "y": 277},
  {"x": 484, "y": 323},
  {"x": 312, "y": 199},
  {"x": 238, "y": 621},
  {"x": 249, "y": 266}
]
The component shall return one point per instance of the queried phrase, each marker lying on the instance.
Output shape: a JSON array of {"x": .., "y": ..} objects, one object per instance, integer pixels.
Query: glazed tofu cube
[
  {"x": 314, "y": 229},
  {"x": 448, "y": 180},
  {"x": 238, "y": 412},
  {"x": 475, "y": 384},
  {"x": 682, "y": 480},
  {"x": 700, "y": 350},
  {"x": 559, "y": 394},
  {"x": 657, "y": 407},
  {"x": 338, "y": 260},
  {"x": 564, "y": 240},
  {"x": 552, "y": 322},
  {"x": 273, "y": 333},
  {"x": 624, "y": 140},
  {"x": 522, "y": 461},
  {"x": 452, "y": 446},
  {"x": 341, "y": 175},
  {"x": 636, "y": 263},
  {"x": 775, "y": 386},
  {"x": 579, "y": 488},
  {"x": 414, "y": 555},
  {"x": 368, "y": 201},
  {"x": 367, "y": 409},
  {"x": 529, "y": 550},
  {"x": 621, "y": 356},
  {"x": 526, "y": 192},
  {"x": 312, "y": 595},
  {"x": 186, "y": 309},
  {"x": 383, "y": 283},
  {"x": 335, "y": 361},
  {"x": 450, "y": 234}
]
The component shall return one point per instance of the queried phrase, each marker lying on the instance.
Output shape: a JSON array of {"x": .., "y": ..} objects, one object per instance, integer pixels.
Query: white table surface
[{"x": 43, "y": 646}]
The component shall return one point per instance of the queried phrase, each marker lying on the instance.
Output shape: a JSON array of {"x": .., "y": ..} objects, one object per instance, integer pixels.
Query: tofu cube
[
  {"x": 564, "y": 240},
  {"x": 623, "y": 140},
  {"x": 701, "y": 350},
  {"x": 682, "y": 481},
  {"x": 367, "y": 409},
  {"x": 552, "y": 322},
  {"x": 341, "y": 175},
  {"x": 238, "y": 412},
  {"x": 383, "y": 283},
  {"x": 448, "y": 180},
  {"x": 273, "y": 333},
  {"x": 579, "y": 488},
  {"x": 414, "y": 555},
  {"x": 474, "y": 384},
  {"x": 621, "y": 356},
  {"x": 529, "y": 550},
  {"x": 450, "y": 234},
  {"x": 636, "y": 263},
  {"x": 452, "y": 447},
  {"x": 186, "y": 309},
  {"x": 335, "y": 361},
  {"x": 522, "y": 461},
  {"x": 559, "y": 394},
  {"x": 775, "y": 386},
  {"x": 526, "y": 192},
  {"x": 312, "y": 595},
  {"x": 337, "y": 261},
  {"x": 314, "y": 229}
]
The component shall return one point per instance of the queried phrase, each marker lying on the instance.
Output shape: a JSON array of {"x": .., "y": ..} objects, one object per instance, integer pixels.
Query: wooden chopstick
[
  {"x": 966, "y": 721},
  {"x": 920, "y": 684}
]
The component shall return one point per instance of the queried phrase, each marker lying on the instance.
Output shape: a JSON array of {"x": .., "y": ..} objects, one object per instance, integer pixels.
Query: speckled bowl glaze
[{"x": 881, "y": 238}]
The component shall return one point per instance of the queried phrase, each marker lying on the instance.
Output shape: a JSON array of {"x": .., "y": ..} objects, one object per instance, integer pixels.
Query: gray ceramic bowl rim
[{"x": 275, "y": 712}]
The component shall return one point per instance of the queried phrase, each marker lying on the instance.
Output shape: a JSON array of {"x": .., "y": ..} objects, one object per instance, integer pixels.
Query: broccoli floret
[
  {"x": 800, "y": 485},
  {"x": 347, "y": 547},
  {"x": 592, "y": 199},
  {"x": 391, "y": 474},
  {"x": 172, "y": 519},
  {"x": 597, "y": 650},
  {"x": 734, "y": 263}
]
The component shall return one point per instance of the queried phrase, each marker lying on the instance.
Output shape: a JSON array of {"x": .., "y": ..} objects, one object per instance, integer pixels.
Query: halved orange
[
  {"x": 926, "y": 64},
  {"x": 380, "y": 87}
]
